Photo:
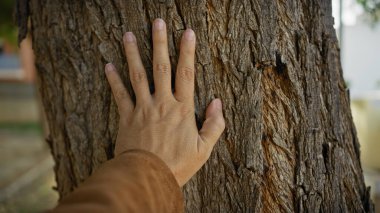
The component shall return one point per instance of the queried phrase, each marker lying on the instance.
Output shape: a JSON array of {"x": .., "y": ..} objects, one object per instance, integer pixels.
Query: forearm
[{"x": 135, "y": 181}]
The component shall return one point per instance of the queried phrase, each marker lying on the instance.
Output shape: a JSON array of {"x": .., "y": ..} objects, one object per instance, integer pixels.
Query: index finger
[{"x": 122, "y": 98}]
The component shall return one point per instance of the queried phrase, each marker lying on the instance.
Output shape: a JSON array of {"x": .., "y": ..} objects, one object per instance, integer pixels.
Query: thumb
[{"x": 214, "y": 124}]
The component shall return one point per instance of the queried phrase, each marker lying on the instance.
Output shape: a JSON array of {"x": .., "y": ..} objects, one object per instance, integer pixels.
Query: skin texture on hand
[{"x": 164, "y": 123}]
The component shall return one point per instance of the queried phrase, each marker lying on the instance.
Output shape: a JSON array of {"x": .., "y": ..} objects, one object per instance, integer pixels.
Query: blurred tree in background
[{"x": 8, "y": 29}]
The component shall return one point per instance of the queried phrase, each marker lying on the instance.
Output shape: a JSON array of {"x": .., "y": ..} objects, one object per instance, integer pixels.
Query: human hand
[{"x": 163, "y": 123}]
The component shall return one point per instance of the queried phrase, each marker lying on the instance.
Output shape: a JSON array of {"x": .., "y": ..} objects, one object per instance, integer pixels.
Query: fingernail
[
  {"x": 159, "y": 24},
  {"x": 189, "y": 34},
  {"x": 128, "y": 37},
  {"x": 218, "y": 103},
  {"x": 110, "y": 67}
]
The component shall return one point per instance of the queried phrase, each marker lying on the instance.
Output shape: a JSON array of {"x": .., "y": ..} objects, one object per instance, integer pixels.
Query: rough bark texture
[{"x": 290, "y": 143}]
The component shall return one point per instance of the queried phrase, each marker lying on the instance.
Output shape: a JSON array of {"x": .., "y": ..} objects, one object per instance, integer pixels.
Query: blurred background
[{"x": 26, "y": 167}]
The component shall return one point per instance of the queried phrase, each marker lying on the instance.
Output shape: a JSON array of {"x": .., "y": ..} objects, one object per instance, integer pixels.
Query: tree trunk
[{"x": 290, "y": 143}]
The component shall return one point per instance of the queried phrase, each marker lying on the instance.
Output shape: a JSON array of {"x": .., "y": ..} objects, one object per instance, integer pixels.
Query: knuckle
[
  {"x": 162, "y": 109},
  {"x": 163, "y": 68},
  {"x": 186, "y": 73},
  {"x": 138, "y": 76},
  {"x": 142, "y": 114},
  {"x": 185, "y": 111},
  {"x": 121, "y": 94}
]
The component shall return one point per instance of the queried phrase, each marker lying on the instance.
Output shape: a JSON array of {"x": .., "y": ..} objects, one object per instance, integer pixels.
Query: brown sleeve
[{"x": 135, "y": 181}]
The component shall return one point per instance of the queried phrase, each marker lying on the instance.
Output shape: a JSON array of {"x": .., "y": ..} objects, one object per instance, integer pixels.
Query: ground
[{"x": 26, "y": 166}]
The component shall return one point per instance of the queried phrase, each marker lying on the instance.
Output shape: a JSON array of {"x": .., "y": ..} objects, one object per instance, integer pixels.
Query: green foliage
[
  {"x": 22, "y": 127},
  {"x": 372, "y": 8},
  {"x": 347, "y": 83},
  {"x": 8, "y": 28}
]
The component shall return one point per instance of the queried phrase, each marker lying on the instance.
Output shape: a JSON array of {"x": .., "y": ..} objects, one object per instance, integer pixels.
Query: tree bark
[{"x": 290, "y": 143}]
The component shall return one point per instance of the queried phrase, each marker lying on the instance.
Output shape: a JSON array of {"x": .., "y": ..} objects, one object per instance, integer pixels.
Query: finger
[
  {"x": 122, "y": 98},
  {"x": 161, "y": 62},
  {"x": 213, "y": 126},
  {"x": 136, "y": 69},
  {"x": 184, "y": 82}
]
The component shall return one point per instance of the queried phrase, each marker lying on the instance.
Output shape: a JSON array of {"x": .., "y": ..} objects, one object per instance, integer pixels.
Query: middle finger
[{"x": 161, "y": 62}]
